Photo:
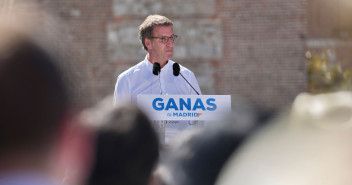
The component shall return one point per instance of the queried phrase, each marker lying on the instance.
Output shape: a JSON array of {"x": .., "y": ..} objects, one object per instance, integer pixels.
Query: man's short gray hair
[{"x": 146, "y": 28}]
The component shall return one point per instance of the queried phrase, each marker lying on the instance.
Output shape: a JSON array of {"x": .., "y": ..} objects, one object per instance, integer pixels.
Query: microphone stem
[
  {"x": 189, "y": 84},
  {"x": 160, "y": 85}
]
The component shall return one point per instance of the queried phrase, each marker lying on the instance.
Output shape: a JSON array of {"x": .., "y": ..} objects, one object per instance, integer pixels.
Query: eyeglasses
[{"x": 165, "y": 39}]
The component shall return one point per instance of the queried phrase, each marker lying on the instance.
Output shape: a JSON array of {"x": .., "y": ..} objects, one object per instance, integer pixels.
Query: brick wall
[
  {"x": 247, "y": 48},
  {"x": 87, "y": 21},
  {"x": 263, "y": 58}
]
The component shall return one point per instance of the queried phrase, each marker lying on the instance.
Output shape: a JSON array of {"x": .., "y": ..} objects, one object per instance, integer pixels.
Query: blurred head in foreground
[
  {"x": 34, "y": 100},
  {"x": 35, "y": 103},
  {"x": 309, "y": 145},
  {"x": 35, "y": 108},
  {"x": 126, "y": 146},
  {"x": 197, "y": 156}
]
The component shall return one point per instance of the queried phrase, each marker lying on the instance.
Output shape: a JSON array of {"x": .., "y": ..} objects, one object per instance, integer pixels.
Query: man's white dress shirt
[{"x": 140, "y": 79}]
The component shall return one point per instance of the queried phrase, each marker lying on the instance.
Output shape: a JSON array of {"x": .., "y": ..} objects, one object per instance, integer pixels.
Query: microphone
[
  {"x": 176, "y": 68},
  {"x": 156, "y": 71},
  {"x": 156, "y": 68}
]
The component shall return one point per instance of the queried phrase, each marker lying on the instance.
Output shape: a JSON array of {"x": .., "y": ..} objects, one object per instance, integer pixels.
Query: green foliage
[{"x": 325, "y": 77}]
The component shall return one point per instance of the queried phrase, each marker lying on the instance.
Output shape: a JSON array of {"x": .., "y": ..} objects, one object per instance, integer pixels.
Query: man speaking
[{"x": 157, "y": 74}]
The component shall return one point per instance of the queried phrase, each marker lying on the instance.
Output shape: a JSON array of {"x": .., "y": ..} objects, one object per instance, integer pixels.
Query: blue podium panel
[{"x": 185, "y": 107}]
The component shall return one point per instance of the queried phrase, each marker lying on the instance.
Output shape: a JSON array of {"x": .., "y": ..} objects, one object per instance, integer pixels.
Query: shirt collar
[{"x": 150, "y": 65}]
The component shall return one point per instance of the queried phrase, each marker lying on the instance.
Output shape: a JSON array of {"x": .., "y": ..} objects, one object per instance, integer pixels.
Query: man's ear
[{"x": 148, "y": 43}]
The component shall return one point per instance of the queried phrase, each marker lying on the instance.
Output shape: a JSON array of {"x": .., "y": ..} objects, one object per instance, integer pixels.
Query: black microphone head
[
  {"x": 156, "y": 68},
  {"x": 176, "y": 68}
]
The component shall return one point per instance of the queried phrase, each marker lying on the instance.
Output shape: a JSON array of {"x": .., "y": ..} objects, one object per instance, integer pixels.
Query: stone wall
[
  {"x": 249, "y": 49},
  {"x": 263, "y": 57}
]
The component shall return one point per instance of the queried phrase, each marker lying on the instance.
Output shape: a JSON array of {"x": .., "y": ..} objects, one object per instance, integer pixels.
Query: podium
[{"x": 184, "y": 107}]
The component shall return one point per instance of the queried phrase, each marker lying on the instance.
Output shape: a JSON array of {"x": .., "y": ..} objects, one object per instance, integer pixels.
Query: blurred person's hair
[
  {"x": 127, "y": 147},
  {"x": 146, "y": 28},
  {"x": 34, "y": 99},
  {"x": 198, "y": 155},
  {"x": 36, "y": 85},
  {"x": 37, "y": 96}
]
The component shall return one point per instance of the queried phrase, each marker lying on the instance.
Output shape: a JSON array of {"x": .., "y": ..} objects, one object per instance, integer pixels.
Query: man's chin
[{"x": 169, "y": 56}]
